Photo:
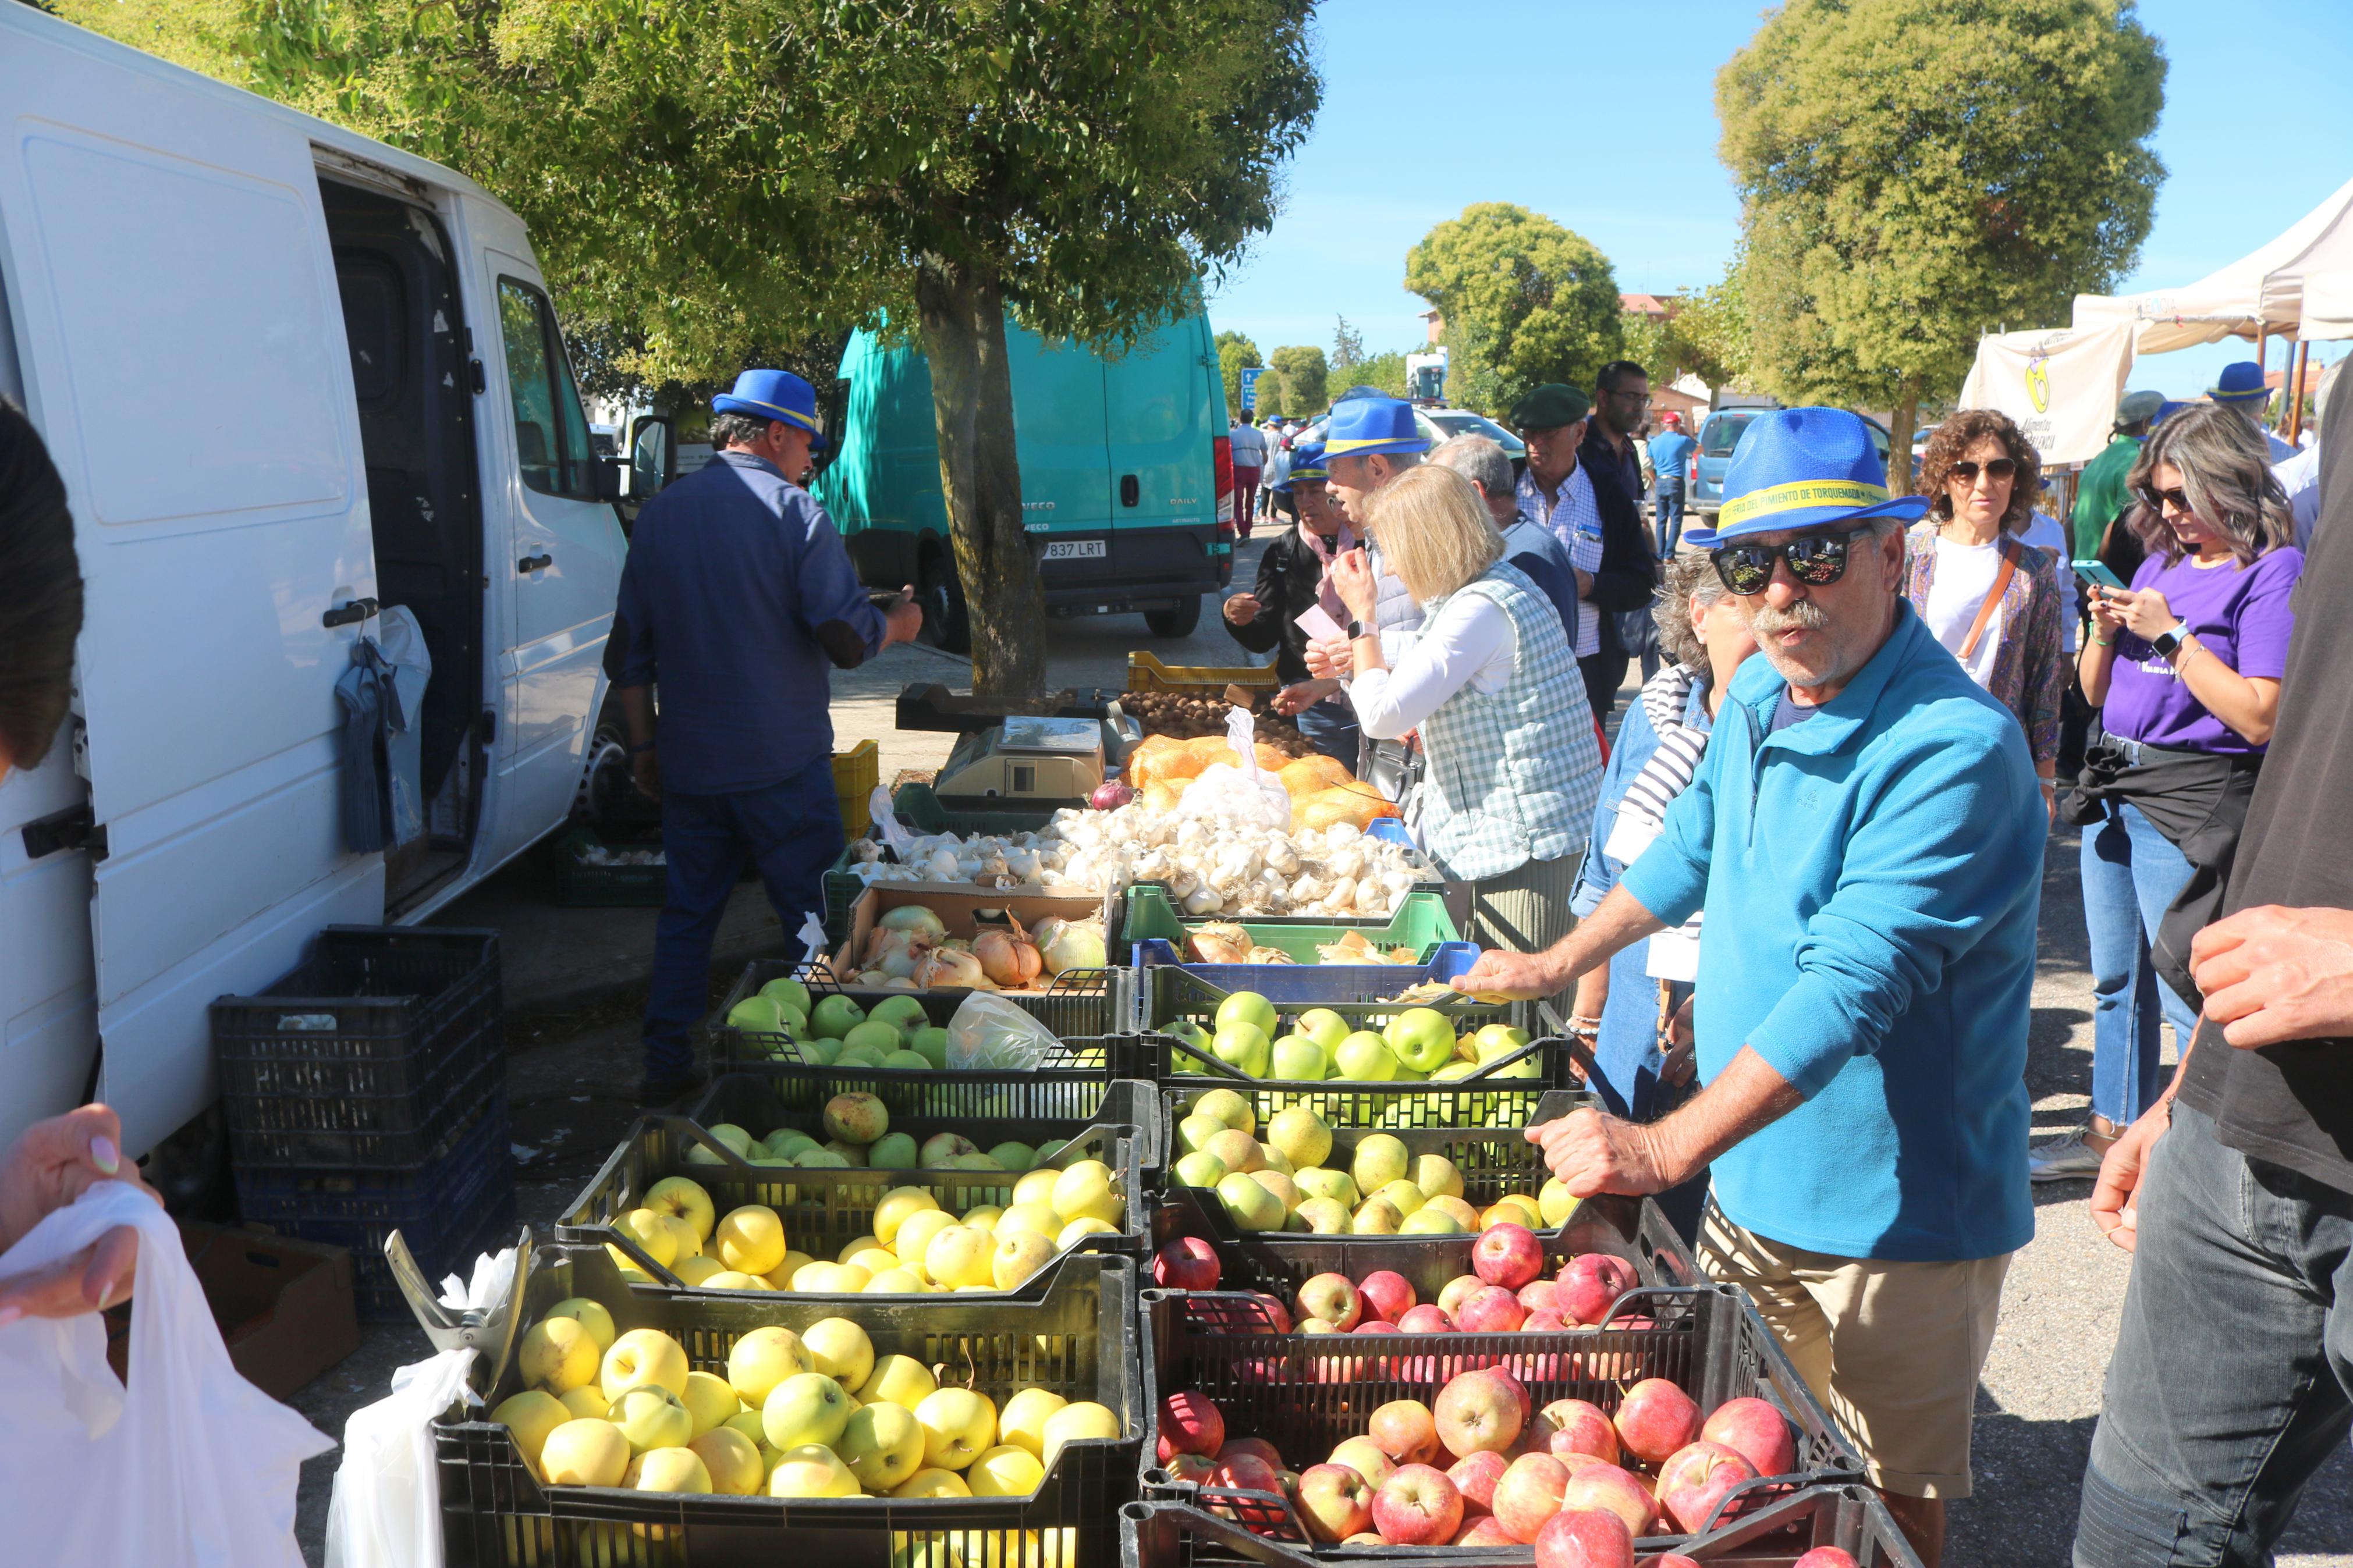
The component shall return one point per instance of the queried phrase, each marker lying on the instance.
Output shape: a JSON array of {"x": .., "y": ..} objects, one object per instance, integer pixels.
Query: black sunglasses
[
  {"x": 2157, "y": 500},
  {"x": 2000, "y": 468},
  {"x": 1817, "y": 560}
]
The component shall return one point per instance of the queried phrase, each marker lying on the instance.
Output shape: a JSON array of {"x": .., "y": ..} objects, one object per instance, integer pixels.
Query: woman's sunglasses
[
  {"x": 2156, "y": 501},
  {"x": 2000, "y": 468},
  {"x": 1817, "y": 560}
]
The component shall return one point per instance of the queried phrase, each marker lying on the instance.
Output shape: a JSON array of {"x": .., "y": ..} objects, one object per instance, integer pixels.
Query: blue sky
[{"x": 1429, "y": 110}]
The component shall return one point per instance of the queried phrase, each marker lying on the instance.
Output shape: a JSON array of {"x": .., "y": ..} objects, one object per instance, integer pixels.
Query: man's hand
[
  {"x": 902, "y": 622},
  {"x": 1584, "y": 583},
  {"x": 1299, "y": 697},
  {"x": 1330, "y": 658},
  {"x": 1352, "y": 579},
  {"x": 1526, "y": 974},
  {"x": 52, "y": 1165},
  {"x": 645, "y": 768},
  {"x": 1680, "y": 1059},
  {"x": 1241, "y": 609},
  {"x": 2120, "y": 1179},
  {"x": 2271, "y": 974},
  {"x": 1592, "y": 1154}
]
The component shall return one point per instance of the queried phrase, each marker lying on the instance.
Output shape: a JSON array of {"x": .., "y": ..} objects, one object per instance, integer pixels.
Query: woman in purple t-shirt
[{"x": 2188, "y": 665}]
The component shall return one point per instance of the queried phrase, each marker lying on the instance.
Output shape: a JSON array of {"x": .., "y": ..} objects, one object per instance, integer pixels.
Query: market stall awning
[{"x": 2262, "y": 292}]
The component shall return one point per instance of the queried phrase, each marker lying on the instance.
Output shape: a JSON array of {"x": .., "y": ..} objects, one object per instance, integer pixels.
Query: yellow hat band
[
  {"x": 1798, "y": 495},
  {"x": 791, "y": 415},
  {"x": 1341, "y": 448}
]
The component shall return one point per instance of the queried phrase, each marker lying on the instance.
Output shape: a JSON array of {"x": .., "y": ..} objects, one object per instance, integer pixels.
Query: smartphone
[{"x": 2092, "y": 569}]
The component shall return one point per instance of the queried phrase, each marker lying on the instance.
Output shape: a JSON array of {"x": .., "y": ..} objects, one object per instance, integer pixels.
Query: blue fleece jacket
[{"x": 1870, "y": 880}]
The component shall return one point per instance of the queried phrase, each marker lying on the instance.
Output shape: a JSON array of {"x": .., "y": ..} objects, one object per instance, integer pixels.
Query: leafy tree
[
  {"x": 1472, "y": 378},
  {"x": 1705, "y": 334},
  {"x": 1306, "y": 377},
  {"x": 1234, "y": 354},
  {"x": 1913, "y": 171},
  {"x": 1385, "y": 371},
  {"x": 1347, "y": 347},
  {"x": 1540, "y": 303},
  {"x": 702, "y": 176},
  {"x": 1272, "y": 396}
]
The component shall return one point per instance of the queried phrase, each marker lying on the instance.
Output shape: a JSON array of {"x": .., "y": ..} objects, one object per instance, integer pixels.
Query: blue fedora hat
[
  {"x": 773, "y": 395},
  {"x": 1306, "y": 463},
  {"x": 1803, "y": 467},
  {"x": 2240, "y": 382},
  {"x": 1363, "y": 425}
]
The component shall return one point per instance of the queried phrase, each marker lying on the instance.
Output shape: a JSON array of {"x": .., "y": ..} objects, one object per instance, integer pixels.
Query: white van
[{"x": 291, "y": 375}]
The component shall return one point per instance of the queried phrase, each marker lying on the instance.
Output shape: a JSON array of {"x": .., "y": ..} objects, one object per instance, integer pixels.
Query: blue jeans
[
  {"x": 2232, "y": 1377},
  {"x": 2131, "y": 872},
  {"x": 1330, "y": 728},
  {"x": 792, "y": 831},
  {"x": 1667, "y": 500}
]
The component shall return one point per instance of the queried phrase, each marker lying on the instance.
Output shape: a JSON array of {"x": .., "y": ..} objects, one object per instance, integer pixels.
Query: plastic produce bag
[
  {"x": 387, "y": 1510},
  {"x": 988, "y": 1033},
  {"x": 1240, "y": 789},
  {"x": 895, "y": 838},
  {"x": 189, "y": 1464}
]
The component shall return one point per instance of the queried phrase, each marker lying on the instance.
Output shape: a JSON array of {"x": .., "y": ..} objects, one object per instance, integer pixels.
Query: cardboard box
[
  {"x": 960, "y": 911},
  {"x": 284, "y": 1306}
]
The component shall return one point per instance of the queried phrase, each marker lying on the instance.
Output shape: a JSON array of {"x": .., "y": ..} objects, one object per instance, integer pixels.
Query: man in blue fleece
[{"x": 1865, "y": 838}]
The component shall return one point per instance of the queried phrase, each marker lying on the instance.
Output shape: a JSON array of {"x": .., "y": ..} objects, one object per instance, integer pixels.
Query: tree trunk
[
  {"x": 1899, "y": 439},
  {"x": 963, "y": 318}
]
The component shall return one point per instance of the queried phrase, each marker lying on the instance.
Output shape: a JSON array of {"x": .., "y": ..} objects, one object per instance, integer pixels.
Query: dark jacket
[
  {"x": 1629, "y": 569},
  {"x": 1288, "y": 574}
]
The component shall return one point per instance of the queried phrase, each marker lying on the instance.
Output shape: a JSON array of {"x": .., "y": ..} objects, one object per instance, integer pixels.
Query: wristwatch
[{"x": 2167, "y": 641}]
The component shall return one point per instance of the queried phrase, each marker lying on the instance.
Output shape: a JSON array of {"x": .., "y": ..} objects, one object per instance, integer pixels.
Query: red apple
[
  {"x": 1190, "y": 1423},
  {"x": 1696, "y": 1478},
  {"x": 1529, "y": 1495},
  {"x": 1335, "y": 1502},
  {"x": 1194, "y": 1468},
  {"x": 1542, "y": 1323},
  {"x": 1366, "y": 1458},
  {"x": 1405, "y": 1431},
  {"x": 1825, "y": 1557},
  {"x": 1476, "y": 1475},
  {"x": 1507, "y": 1255},
  {"x": 1490, "y": 1310},
  {"x": 1258, "y": 1446},
  {"x": 1580, "y": 1537},
  {"x": 1188, "y": 1263},
  {"x": 1754, "y": 1429},
  {"x": 1590, "y": 1283},
  {"x": 1574, "y": 1426},
  {"x": 1576, "y": 1461},
  {"x": 1478, "y": 1410},
  {"x": 1333, "y": 1299},
  {"x": 1275, "y": 1311},
  {"x": 1426, "y": 1320},
  {"x": 1247, "y": 1473},
  {"x": 1671, "y": 1560},
  {"x": 1416, "y": 1507},
  {"x": 1541, "y": 1296},
  {"x": 1613, "y": 1491},
  {"x": 1656, "y": 1418},
  {"x": 1367, "y": 1538},
  {"x": 1511, "y": 1380},
  {"x": 1457, "y": 1290},
  {"x": 1374, "y": 1326},
  {"x": 1480, "y": 1530},
  {"x": 1388, "y": 1294}
]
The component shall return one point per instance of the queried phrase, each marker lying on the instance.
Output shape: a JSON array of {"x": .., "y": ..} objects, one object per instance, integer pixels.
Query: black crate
[
  {"x": 1305, "y": 1393},
  {"x": 824, "y": 1210},
  {"x": 1484, "y": 1100},
  {"x": 446, "y": 1207},
  {"x": 1083, "y": 1005},
  {"x": 1077, "y": 1340},
  {"x": 582, "y": 885},
  {"x": 364, "y": 1055}
]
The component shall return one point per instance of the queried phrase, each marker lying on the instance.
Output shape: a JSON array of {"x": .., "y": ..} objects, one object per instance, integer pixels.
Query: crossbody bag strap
[{"x": 1993, "y": 599}]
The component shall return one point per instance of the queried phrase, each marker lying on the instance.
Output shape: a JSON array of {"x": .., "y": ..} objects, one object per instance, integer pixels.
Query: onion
[
  {"x": 1007, "y": 958},
  {"x": 914, "y": 917},
  {"x": 947, "y": 966},
  {"x": 1110, "y": 796},
  {"x": 1075, "y": 945}
]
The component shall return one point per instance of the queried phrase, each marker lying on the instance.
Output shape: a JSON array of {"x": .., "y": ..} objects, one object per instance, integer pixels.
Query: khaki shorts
[{"x": 1892, "y": 1350}]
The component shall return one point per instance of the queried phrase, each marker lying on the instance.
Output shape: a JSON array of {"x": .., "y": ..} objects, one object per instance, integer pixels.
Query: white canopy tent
[
  {"x": 2061, "y": 386},
  {"x": 2298, "y": 286}
]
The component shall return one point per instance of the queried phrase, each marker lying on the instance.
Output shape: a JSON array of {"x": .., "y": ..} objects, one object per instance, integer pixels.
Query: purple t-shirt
[{"x": 2240, "y": 613}]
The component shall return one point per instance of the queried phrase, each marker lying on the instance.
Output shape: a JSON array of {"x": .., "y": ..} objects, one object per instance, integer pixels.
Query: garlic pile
[
  {"x": 1014, "y": 860},
  {"x": 1216, "y": 865},
  {"x": 598, "y": 855},
  {"x": 1223, "y": 941}
]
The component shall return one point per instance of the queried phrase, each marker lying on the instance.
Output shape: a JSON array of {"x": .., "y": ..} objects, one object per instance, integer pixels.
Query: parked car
[
  {"x": 1126, "y": 475},
  {"x": 1719, "y": 433},
  {"x": 371, "y": 408},
  {"x": 1437, "y": 424}
]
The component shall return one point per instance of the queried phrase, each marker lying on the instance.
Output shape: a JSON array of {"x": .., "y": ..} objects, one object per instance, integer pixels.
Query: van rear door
[
  {"x": 1066, "y": 499},
  {"x": 182, "y": 352},
  {"x": 1156, "y": 403}
]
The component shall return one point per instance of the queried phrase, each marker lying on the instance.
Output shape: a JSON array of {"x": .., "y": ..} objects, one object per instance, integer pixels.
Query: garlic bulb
[
  {"x": 1281, "y": 857},
  {"x": 1203, "y": 901}
]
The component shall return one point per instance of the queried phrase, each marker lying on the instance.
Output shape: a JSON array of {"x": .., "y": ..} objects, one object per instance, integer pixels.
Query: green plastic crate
[
  {"x": 1421, "y": 922},
  {"x": 580, "y": 886}
]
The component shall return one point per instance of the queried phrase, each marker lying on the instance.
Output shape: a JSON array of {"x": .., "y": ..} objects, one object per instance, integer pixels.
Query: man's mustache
[{"x": 1804, "y": 614}]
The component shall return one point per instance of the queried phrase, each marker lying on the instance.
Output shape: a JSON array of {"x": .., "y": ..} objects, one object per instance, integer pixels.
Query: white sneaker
[{"x": 2069, "y": 1159}]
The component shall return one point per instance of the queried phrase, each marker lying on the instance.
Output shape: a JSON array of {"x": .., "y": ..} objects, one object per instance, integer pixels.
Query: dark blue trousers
[{"x": 791, "y": 831}]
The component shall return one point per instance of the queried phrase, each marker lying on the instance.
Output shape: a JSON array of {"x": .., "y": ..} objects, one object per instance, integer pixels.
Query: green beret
[
  {"x": 2140, "y": 407},
  {"x": 1549, "y": 407}
]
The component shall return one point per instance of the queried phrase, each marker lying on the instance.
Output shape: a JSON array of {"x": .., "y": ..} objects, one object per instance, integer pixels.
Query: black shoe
[{"x": 659, "y": 1093}]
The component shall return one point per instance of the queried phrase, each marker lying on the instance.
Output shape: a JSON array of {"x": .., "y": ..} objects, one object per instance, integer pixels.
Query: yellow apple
[
  {"x": 1075, "y": 1424},
  {"x": 805, "y": 1409},
  {"x": 1437, "y": 1176},
  {"x": 735, "y": 1280},
  {"x": 1084, "y": 1191},
  {"x": 780, "y": 1278},
  {"x": 959, "y": 1425},
  {"x": 893, "y": 1282},
  {"x": 1021, "y": 1254},
  {"x": 900, "y": 1380},
  {"x": 1556, "y": 1202},
  {"x": 711, "y": 1400},
  {"x": 882, "y": 1445},
  {"x": 916, "y": 1235},
  {"x": 587, "y": 1403},
  {"x": 931, "y": 1483},
  {"x": 1077, "y": 1228},
  {"x": 732, "y": 1460},
  {"x": 667, "y": 1471},
  {"x": 957, "y": 1256},
  {"x": 529, "y": 1418},
  {"x": 1037, "y": 1187},
  {"x": 897, "y": 1206},
  {"x": 748, "y": 1421},
  {"x": 1403, "y": 1196},
  {"x": 652, "y": 1233},
  {"x": 558, "y": 1355},
  {"x": 1023, "y": 1420},
  {"x": 857, "y": 1245},
  {"x": 873, "y": 1260},
  {"x": 652, "y": 1417},
  {"x": 585, "y": 1453},
  {"x": 685, "y": 1197},
  {"x": 642, "y": 1356},
  {"x": 983, "y": 1218},
  {"x": 764, "y": 1358},
  {"x": 751, "y": 1238},
  {"x": 1037, "y": 1216},
  {"x": 630, "y": 1273},
  {"x": 1008, "y": 1470},
  {"x": 697, "y": 1271},
  {"x": 591, "y": 1315},
  {"x": 811, "y": 1472},
  {"x": 841, "y": 1350},
  {"x": 684, "y": 1243}
]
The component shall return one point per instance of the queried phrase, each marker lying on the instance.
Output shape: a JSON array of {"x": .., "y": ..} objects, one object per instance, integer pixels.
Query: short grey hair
[
  {"x": 738, "y": 429},
  {"x": 1688, "y": 581},
  {"x": 1481, "y": 461},
  {"x": 2226, "y": 474}
]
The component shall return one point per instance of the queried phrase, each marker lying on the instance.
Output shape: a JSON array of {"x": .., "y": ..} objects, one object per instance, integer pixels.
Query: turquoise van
[{"x": 1126, "y": 475}]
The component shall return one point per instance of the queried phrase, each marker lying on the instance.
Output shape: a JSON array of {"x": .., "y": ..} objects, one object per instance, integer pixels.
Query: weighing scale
[{"x": 1026, "y": 758}]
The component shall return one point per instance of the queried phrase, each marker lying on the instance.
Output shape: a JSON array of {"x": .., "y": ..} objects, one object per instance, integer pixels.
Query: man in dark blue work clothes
[{"x": 739, "y": 597}]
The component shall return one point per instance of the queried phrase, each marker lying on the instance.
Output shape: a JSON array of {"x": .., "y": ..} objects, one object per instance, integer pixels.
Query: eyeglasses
[
  {"x": 2000, "y": 468},
  {"x": 2157, "y": 500},
  {"x": 1817, "y": 560},
  {"x": 1642, "y": 397}
]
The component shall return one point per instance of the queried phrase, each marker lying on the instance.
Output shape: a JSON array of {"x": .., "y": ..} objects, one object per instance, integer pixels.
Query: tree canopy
[
  {"x": 1236, "y": 354},
  {"x": 1306, "y": 378},
  {"x": 1915, "y": 172},
  {"x": 1524, "y": 300}
]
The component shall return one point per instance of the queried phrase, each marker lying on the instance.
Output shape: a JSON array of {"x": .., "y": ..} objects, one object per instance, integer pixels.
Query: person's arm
[
  {"x": 2044, "y": 675},
  {"x": 634, "y": 688},
  {"x": 1255, "y": 619},
  {"x": 2249, "y": 705},
  {"x": 1628, "y": 574},
  {"x": 1470, "y": 634},
  {"x": 2271, "y": 974},
  {"x": 2095, "y": 666},
  {"x": 832, "y": 603},
  {"x": 2127, "y": 1157},
  {"x": 1592, "y": 1154},
  {"x": 1619, "y": 921}
]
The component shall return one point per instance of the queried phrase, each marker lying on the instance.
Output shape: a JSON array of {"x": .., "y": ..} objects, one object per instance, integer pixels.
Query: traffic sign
[{"x": 1250, "y": 373}]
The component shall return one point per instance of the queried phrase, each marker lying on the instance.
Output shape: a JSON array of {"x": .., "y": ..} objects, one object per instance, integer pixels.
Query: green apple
[
  {"x": 1430, "y": 1222},
  {"x": 1200, "y": 1169},
  {"x": 1013, "y": 1156},
  {"x": 905, "y": 1060},
  {"x": 1421, "y": 1038},
  {"x": 834, "y": 1016},
  {"x": 855, "y": 1153},
  {"x": 882, "y": 1445},
  {"x": 1298, "y": 1058},
  {"x": 1380, "y": 1159},
  {"x": 1319, "y": 1182},
  {"x": 788, "y": 992},
  {"x": 858, "y": 1056},
  {"x": 1195, "y": 1131},
  {"x": 904, "y": 1013},
  {"x": 1497, "y": 1040},
  {"x": 759, "y": 1015},
  {"x": 1250, "y": 1205},
  {"x": 1453, "y": 1072},
  {"x": 814, "y": 1049},
  {"x": 892, "y": 1151},
  {"x": 942, "y": 1147},
  {"x": 1300, "y": 1135},
  {"x": 786, "y": 1141},
  {"x": 1244, "y": 1048},
  {"x": 1366, "y": 1057},
  {"x": 1048, "y": 1149},
  {"x": 934, "y": 1044},
  {"x": 878, "y": 1037},
  {"x": 1191, "y": 1033},
  {"x": 807, "y": 1407},
  {"x": 1248, "y": 1007},
  {"x": 818, "y": 1158},
  {"x": 1229, "y": 1108},
  {"x": 652, "y": 1417},
  {"x": 1323, "y": 1025}
]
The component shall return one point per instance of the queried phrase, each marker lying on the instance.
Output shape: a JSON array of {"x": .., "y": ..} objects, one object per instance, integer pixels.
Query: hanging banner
[{"x": 2060, "y": 385}]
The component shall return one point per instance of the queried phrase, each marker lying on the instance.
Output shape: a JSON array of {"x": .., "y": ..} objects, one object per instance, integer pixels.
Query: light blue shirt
[
  {"x": 1870, "y": 881},
  {"x": 1669, "y": 450}
]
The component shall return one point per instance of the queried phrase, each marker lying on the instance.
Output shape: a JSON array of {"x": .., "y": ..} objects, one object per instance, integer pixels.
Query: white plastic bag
[
  {"x": 988, "y": 1033},
  {"x": 895, "y": 838},
  {"x": 386, "y": 1509},
  {"x": 1244, "y": 793},
  {"x": 189, "y": 1465}
]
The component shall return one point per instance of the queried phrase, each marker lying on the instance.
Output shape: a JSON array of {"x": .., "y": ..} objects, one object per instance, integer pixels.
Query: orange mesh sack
[
  {"x": 1311, "y": 775},
  {"x": 1355, "y": 803}
]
